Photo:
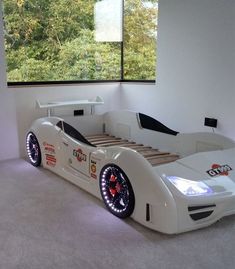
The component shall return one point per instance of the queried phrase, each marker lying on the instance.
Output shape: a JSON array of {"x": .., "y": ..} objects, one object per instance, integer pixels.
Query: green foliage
[
  {"x": 54, "y": 41},
  {"x": 83, "y": 59},
  {"x": 32, "y": 70},
  {"x": 140, "y": 40}
]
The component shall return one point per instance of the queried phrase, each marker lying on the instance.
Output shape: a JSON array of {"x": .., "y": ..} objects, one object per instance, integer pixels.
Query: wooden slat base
[{"x": 154, "y": 156}]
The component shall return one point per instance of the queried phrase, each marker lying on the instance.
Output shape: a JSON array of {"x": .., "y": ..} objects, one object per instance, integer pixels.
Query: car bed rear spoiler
[{"x": 55, "y": 104}]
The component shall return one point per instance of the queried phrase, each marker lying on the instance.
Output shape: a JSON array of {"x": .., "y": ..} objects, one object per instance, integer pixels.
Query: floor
[{"x": 46, "y": 222}]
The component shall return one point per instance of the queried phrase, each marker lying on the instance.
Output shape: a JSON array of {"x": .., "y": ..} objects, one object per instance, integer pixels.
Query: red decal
[
  {"x": 94, "y": 176},
  {"x": 51, "y": 150},
  {"x": 79, "y": 155},
  {"x": 48, "y": 148},
  {"x": 219, "y": 170},
  {"x": 50, "y": 163},
  {"x": 45, "y": 144},
  {"x": 50, "y": 158}
]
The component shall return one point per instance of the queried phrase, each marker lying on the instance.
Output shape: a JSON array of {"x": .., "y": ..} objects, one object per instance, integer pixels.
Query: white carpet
[{"x": 48, "y": 223}]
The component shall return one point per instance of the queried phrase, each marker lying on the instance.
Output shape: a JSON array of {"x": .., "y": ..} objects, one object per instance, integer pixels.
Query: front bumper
[{"x": 199, "y": 213}]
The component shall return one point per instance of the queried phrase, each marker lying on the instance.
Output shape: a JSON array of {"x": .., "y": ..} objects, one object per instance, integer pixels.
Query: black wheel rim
[
  {"x": 33, "y": 149},
  {"x": 115, "y": 190}
]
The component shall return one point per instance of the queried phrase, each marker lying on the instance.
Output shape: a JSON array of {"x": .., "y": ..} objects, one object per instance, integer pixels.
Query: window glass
[
  {"x": 140, "y": 32},
  {"x": 66, "y": 40}
]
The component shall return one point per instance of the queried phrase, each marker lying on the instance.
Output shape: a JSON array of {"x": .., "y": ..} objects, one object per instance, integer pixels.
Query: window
[
  {"x": 80, "y": 40},
  {"x": 140, "y": 22},
  {"x": 72, "y": 132}
]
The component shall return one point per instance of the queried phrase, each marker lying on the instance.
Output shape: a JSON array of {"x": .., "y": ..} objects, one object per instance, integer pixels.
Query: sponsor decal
[
  {"x": 50, "y": 160},
  {"x": 79, "y": 155},
  {"x": 45, "y": 144},
  {"x": 49, "y": 163},
  {"x": 93, "y": 169},
  {"x": 93, "y": 176},
  {"x": 49, "y": 150},
  {"x": 219, "y": 170}
]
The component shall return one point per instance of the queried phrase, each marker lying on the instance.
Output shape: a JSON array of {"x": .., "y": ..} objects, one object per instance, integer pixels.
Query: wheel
[
  {"x": 116, "y": 191},
  {"x": 33, "y": 149}
]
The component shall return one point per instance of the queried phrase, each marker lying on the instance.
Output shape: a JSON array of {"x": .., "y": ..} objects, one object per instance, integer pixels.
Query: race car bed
[{"x": 168, "y": 181}]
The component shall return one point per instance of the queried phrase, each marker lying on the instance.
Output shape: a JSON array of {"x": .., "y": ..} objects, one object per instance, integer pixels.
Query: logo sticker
[
  {"x": 49, "y": 151},
  {"x": 49, "y": 147},
  {"x": 50, "y": 160},
  {"x": 219, "y": 170},
  {"x": 93, "y": 169},
  {"x": 79, "y": 155}
]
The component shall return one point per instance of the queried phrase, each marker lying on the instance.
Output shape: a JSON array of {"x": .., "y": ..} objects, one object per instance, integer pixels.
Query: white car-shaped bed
[{"x": 165, "y": 180}]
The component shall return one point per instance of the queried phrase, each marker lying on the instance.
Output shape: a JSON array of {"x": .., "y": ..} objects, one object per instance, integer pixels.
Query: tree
[
  {"x": 140, "y": 39},
  {"x": 54, "y": 40}
]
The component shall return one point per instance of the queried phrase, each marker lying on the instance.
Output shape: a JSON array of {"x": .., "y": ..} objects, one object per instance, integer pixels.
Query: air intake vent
[
  {"x": 201, "y": 215},
  {"x": 147, "y": 212},
  {"x": 199, "y": 212},
  {"x": 198, "y": 207}
]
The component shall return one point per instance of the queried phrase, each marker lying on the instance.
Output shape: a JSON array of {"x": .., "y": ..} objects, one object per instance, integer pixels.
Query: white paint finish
[
  {"x": 124, "y": 124},
  {"x": 169, "y": 189},
  {"x": 196, "y": 67}
]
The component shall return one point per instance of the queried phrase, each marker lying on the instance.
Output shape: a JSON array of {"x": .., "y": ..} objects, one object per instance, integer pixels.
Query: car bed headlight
[{"x": 190, "y": 187}]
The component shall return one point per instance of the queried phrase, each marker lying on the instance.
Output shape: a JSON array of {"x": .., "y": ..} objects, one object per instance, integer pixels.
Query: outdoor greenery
[{"x": 54, "y": 41}]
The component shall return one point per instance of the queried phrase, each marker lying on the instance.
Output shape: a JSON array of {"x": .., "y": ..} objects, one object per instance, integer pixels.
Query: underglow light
[
  {"x": 28, "y": 148},
  {"x": 190, "y": 187},
  {"x": 112, "y": 203}
]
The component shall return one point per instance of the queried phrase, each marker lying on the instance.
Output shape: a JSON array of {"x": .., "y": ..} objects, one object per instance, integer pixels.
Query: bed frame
[{"x": 153, "y": 156}]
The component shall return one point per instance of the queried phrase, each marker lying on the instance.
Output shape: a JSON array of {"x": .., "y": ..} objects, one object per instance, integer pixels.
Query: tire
[
  {"x": 116, "y": 191},
  {"x": 33, "y": 149}
]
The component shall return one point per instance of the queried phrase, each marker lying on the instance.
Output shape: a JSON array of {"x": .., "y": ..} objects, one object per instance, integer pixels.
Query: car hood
[
  {"x": 211, "y": 164},
  {"x": 215, "y": 168}
]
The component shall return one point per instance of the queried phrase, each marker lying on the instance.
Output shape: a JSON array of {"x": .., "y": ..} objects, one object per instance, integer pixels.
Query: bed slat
[{"x": 153, "y": 156}]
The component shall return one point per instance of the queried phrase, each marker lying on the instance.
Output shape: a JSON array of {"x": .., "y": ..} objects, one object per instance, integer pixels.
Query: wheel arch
[
  {"x": 149, "y": 190},
  {"x": 114, "y": 181},
  {"x": 44, "y": 129}
]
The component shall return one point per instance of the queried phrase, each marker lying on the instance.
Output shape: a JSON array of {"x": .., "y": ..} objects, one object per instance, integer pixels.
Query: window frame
[{"x": 81, "y": 82}]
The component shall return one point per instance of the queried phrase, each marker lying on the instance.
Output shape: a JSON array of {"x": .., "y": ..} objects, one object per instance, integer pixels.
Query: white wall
[
  {"x": 8, "y": 128},
  {"x": 18, "y": 106},
  {"x": 196, "y": 67},
  {"x": 27, "y": 111}
]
